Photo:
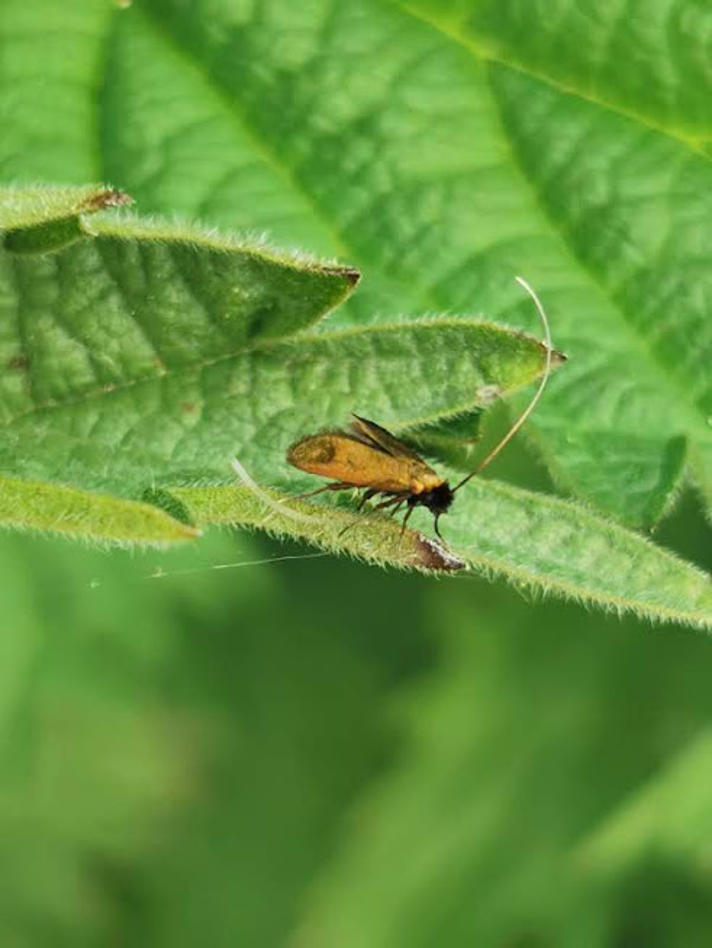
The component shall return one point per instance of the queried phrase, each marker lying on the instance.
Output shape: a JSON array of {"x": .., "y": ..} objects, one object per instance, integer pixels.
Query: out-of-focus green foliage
[{"x": 309, "y": 753}]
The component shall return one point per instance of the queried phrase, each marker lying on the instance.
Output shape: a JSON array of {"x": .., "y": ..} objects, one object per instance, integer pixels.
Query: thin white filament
[
  {"x": 160, "y": 573},
  {"x": 532, "y": 404},
  {"x": 274, "y": 505}
]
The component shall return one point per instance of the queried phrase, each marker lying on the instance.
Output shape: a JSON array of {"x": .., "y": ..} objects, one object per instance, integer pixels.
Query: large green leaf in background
[
  {"x": 416, "y": 166},
  {"x": 141, "y": 358},
  {"x": 441, "y": 171},
  {"x": 473, "y": 150}
]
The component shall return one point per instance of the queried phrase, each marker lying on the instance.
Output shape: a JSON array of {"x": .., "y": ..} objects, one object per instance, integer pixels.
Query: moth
[{"x": 368, "y": 456}]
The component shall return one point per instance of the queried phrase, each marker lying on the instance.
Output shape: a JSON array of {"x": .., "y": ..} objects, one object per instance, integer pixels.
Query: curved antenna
[
  {"x": 274, "y": 505},
  {"x": 532, "y": 404}
]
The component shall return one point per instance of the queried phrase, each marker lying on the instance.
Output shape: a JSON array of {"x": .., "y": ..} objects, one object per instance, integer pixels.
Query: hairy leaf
[
  {"x": 51, "y": 507},
  {"x": 473, "y": 151},
  {"x": 140, "y": 355},
  {"x": 470, "y": 152},
  {"x": 539, "y": 543}
]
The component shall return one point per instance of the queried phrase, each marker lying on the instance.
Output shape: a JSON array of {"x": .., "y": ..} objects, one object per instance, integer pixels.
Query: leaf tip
[
  {"x": 350, "y": 274},
  {"x": 106, "y": 197}
]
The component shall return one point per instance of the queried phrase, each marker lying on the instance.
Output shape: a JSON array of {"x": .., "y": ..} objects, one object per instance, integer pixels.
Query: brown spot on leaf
[
  {"x": 486, "y": 394},
  {"x": 433, "y": 555},
  {"x": 107, "y": 197},
  {"x": 188, "y": 407},
  {"x": 18, "y": 362}
]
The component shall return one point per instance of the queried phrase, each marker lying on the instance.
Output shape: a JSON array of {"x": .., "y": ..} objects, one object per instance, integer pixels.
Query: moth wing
[
  {"x": 351, "y": 460},
  {"x": 371, "y": 433}
]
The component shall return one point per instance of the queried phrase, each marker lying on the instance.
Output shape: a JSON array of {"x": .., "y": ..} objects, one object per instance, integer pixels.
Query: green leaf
[
  {"x": 95, "y": 315},
  {"x": 129, "y": 301},
  {"x": 484, "y": 144},
  {"x": 556, "y": 545},
  {"x": 613, "y": 147},
  {"x": 582, "y": 46},
  {"x": 30, "y": 209},
  {"x": 539, "y": 543},
  {"x": 185, "y": 424},
  {"x": 376, "y": 540},
  {"x": 670, "y": 815},
  {"x": 37, "y": 505},
  {"x": 442, "y": 168},
  {"x": 143, "y": 355},
  {"x": 650, "y": 262}
]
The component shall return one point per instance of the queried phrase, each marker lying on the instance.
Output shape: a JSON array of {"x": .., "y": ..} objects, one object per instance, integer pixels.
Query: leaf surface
[
  {"x": 140, "y": 355},
  {"x": 539, "y": 543},
  {"x": 471, "y": 151},
  {"x": 448, "y": 166}
]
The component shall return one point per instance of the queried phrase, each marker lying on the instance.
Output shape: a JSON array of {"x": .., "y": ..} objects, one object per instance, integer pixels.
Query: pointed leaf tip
[{"x": 350, "y": 274}]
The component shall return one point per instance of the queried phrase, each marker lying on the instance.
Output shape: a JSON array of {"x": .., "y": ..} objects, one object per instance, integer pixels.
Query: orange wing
[{"x": 346, "y": 458}]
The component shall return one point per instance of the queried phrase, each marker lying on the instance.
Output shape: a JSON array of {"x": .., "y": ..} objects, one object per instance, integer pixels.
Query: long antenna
[
  {"x": 274, "y": 505},
  {"x": 532, "y": 404}
]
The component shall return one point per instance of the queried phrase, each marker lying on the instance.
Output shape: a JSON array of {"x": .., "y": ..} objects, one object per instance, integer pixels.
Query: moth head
[{"x": 438, "y": 499}]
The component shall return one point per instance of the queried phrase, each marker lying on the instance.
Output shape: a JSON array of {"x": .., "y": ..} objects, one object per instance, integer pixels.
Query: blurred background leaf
[
  {"x": 502, "y": 822},
  {"x": 308, "y": 753}
]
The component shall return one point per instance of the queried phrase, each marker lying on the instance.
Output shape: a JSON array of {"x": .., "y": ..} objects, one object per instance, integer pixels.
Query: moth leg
[
  {"x": 398, "y": 499},
  {"x": 409, "y": 511},
  {"x": 370, "y": 493},
  {"x": 367, "y": 495},
  {"x": 337, "y": 485},
  {"x": 398, "y": 506}
]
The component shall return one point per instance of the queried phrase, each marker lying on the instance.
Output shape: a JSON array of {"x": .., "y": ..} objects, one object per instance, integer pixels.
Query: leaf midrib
[
  {"x": 695, "y": 426},
  {"x": 485, "y": 53},
  {"x": 306, "y": 335},
  {"x": 234, "y": 107},
  {"x": 264, "y": 149}
]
